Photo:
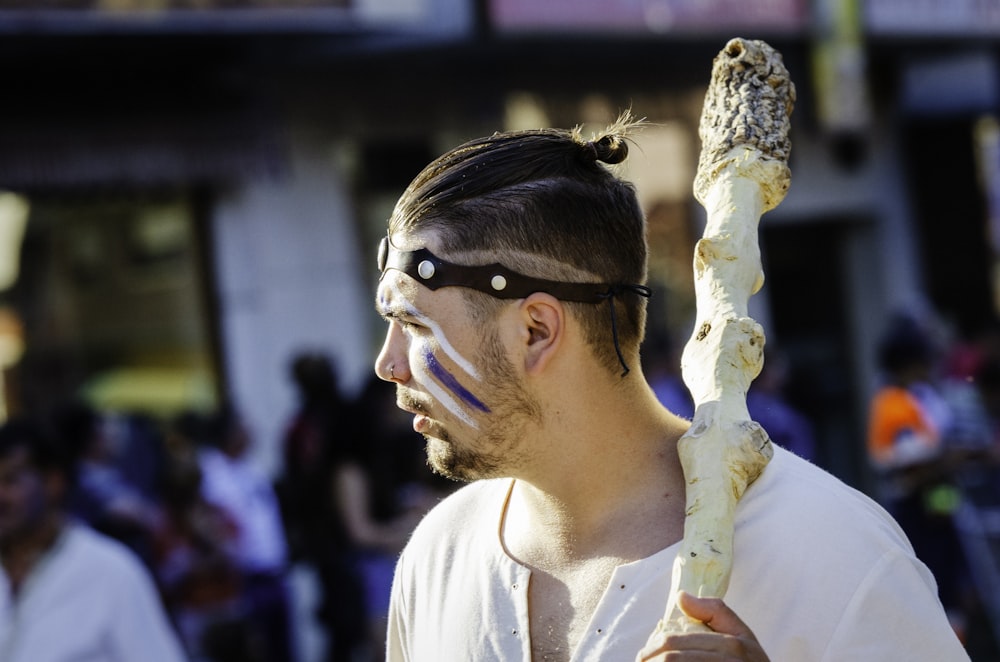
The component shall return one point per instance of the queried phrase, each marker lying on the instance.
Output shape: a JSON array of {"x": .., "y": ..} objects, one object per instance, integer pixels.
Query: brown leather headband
[
  {"x": 498, "y": 281},
  {"x": 493, "y": 279}
]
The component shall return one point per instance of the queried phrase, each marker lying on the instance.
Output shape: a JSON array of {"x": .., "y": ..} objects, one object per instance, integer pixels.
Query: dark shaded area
[
  {"x": 800, "y": 261},
  {"x": 951, "y": 219}
]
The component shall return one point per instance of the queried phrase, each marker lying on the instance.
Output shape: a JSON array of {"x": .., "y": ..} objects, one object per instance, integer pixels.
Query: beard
[{"x": 497, "y": 449}]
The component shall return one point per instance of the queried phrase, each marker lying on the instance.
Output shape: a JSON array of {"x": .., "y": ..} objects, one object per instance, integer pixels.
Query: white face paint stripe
[
  {"x": 424, "y": 378},
  {"x": 436, "y": 330}
]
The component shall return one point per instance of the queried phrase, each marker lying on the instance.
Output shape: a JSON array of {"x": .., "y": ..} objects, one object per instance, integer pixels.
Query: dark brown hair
[{"x": 546, "y": 194}]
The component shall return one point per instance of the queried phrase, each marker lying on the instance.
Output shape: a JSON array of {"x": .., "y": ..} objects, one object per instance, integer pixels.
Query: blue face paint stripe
[{"x": 451, "y": 383}]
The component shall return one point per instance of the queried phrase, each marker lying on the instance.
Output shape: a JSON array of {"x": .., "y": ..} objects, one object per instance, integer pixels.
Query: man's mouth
[
  {"x": 409, "y": 404},
  {"x": 420, "y": 423}
]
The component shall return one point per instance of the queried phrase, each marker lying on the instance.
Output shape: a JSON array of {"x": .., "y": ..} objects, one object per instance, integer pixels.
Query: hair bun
[{"x": 610, "y": 149}]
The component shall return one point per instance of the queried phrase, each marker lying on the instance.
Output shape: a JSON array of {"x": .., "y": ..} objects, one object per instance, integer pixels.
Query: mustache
[{"x": 406, "y": 401}]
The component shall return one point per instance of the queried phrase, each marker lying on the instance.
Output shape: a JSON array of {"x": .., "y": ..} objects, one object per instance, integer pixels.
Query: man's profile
[{"x": 513, "y": 285}]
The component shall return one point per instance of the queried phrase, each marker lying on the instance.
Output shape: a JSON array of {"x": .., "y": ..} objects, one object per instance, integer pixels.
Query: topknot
[
  {"x": 610, "y": 149},
  {"x": 612, "y": 145}
]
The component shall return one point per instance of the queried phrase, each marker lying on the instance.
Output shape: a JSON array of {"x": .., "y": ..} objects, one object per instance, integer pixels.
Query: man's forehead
[
  {"x": 398, "y": 294},
  {"x": 409, "y": 241}
]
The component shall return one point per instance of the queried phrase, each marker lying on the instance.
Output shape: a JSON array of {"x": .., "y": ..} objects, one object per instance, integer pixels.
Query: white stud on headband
[
  {"x": 425, "y": 269},
  {"x": 498, "y": 282}
]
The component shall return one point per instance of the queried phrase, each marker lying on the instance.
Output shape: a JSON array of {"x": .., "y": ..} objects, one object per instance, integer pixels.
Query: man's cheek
[
  {"x": 452, "y": 384},
  {"x": 444, "y": 392}
]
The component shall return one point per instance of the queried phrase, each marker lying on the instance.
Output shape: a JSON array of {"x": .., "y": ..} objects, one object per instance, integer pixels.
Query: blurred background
[{"x": 191, "y": 191}]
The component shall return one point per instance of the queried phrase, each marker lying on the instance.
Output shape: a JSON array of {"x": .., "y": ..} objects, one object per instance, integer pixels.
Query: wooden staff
[{"x": 742, "y": 173}]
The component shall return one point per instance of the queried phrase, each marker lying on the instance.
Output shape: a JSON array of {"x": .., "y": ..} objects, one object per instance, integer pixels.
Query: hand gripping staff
[{"x": 742, "y": 173}]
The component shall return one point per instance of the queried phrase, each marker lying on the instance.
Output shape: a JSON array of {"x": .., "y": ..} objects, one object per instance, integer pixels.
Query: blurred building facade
[{"x": 201, "y": 185}]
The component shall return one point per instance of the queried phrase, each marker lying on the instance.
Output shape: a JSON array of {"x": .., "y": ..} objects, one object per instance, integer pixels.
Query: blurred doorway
[
  {"x": 808, "y": 278},
  {"x": 112, "y": 298},
  {"x": 951, "y": 219}
]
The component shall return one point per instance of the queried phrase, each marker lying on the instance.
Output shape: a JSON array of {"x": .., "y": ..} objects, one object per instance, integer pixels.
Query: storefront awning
[
  {"x": 159, "y": 391},
  {"x": 165, "y": 150}
]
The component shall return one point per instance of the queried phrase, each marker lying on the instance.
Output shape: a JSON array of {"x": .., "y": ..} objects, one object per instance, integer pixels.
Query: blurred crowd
[
  {"x": 934, "y": 445},
  {"x": 218, "y": 537}
]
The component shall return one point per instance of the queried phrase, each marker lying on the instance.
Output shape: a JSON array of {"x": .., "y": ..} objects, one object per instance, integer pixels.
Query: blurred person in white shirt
[
  {"x": 66, "y": 591},
  {"x": 231, "y": 481}
]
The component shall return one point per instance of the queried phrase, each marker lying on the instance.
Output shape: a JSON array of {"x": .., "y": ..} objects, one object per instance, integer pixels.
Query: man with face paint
[{"x": 512, "y": 282}]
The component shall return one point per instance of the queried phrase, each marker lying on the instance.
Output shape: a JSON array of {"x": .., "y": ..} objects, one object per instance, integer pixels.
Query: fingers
[
  {"x": 714, "y": 613},
  {"x": 729, "y": 639},
  {"x": 699, "y": 647}
]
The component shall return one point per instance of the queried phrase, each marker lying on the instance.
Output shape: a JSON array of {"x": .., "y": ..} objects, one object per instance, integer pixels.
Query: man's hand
[{"x": 730, "y": 638}]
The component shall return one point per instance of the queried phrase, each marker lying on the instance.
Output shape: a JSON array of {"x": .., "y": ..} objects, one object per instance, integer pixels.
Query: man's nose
[{"x": 391, "y": 364}]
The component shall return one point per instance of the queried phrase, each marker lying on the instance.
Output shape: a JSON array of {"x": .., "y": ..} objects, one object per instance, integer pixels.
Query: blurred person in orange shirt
[
  {"x": 910, "y": 420},
  {"x": 907, "y": 416}
]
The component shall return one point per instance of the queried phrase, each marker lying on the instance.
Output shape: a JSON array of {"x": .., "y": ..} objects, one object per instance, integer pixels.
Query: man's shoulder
[
  {"x": 791, "y": 475},
  {"x": 93, "y": 552},
  {"x": 822, "y": 571},
  {"x": 795, "y": 494},
  {"x": 469, "y": 501},
  {"x": 470, "y": 509}
]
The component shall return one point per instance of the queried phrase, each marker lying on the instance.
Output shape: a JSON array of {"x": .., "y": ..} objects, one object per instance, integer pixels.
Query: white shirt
[
  {"x": 87, "y": 600},
  {"x": 237, "y": 487},
  {"x": 821, "y": 573}
]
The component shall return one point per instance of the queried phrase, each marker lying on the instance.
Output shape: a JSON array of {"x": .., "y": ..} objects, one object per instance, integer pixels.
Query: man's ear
[{"x": 544, "y": 318}]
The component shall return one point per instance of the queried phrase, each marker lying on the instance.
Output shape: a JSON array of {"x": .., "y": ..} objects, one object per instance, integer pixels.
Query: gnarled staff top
[{"x": 748, "y": 105}]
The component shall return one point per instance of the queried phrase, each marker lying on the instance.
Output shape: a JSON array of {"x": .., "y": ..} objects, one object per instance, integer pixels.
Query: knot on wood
[{"x": 748, "y": 103}]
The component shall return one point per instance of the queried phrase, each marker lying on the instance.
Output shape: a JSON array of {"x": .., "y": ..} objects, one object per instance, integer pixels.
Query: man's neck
[
  {"x": 21, "y": 555},
  {"x": 598, "y": 489},
  {"x": 611, "y": 493}
]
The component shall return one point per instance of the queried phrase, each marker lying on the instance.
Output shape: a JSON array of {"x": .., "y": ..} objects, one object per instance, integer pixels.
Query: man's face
[
  {"x": 24, "y": 497},
  {"x": 454, "y": 375}
]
